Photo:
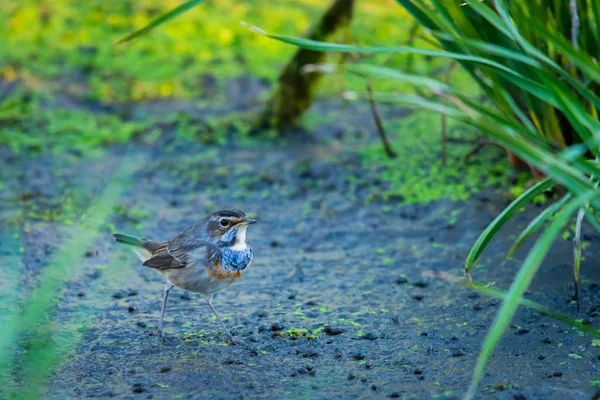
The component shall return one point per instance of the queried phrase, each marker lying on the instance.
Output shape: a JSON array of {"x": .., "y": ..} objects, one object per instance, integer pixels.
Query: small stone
[
  {"x": 263, "y": 314},
  {"x": 454, "y": 338},
  {"x": 421, "y": 377},
  {"x": 421, "y": 284},
  {"x": 368, "y": 365},
  {"x": 588, "y": 321},
  {"x": 310, "y": 353},
  {"x": 494, "y": 302},
  {"x": 547, "y": 340},
  {"x": 118, "y": 295},
  {"x": 458, "y": 353},
  {"x": 185, "y": 296},
  {"x": 131, "y": 309},
  {"x": 351, "y": 377},
  {"x": 401, "y": 280},
  {"x": 358, "y": 356},
  {"x": 81, "y": 294},
  {"x": 369, "y": 336},
  {"x": 333, "y": 330},
  {"x": 311, "y": 303},
  {"x": 394, "y": 395},
  {"x": 137, "y": 388},
  {"x": 541, "y": 357},
  {"x": 557, "y": 374},
  {"x": 522, "y": 331},
  {"x": 274, "y": 243},
  {"x": 424, "y": 333},
  {"x": 132, "y": 293},
  {"x": 520, "y": 396},
  {"x": 478, "y": 307},
  {"x": 292, "y": 297},
  {"x": 374, "y": 387},
  {"x": 141, "y": 324},
  {"x": 418, "y": 371},
  {"x": 474, "y": 295},
  {"x": 165, "y": 369},
  {"x": 262, "y": 328},
  {"x": 302, "y": 370},
  {"x": 276, "y": 327},
  {"x": 229, "y": 361},
  {"x": 418, "y": 297}
]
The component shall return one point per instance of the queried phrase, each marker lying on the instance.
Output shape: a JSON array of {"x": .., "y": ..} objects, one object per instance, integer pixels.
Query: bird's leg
[
  {"x": 209, "y": 301},
  {"x": 168, "y": 286}
]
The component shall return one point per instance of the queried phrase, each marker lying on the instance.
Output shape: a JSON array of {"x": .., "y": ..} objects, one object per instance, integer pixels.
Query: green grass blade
[
  {"x": 316, "y": 45},
  {"x": 162, "y": 19},
  {"x": 538, "y": 222},
  {"x": 520, "y": 285},
  {"x": 494, "y": 292},
  {"x": 501, "y": 219}
]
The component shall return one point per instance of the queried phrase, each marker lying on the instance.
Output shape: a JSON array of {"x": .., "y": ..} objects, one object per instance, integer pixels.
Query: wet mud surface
[{"x": 337, "y": 304}]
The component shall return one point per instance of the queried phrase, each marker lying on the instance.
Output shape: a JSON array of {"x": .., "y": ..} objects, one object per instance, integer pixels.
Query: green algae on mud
[{"x": 418, "y": 174}]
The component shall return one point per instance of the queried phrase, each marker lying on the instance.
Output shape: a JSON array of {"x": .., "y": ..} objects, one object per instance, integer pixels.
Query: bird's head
[{"x": 228, "y": 226}]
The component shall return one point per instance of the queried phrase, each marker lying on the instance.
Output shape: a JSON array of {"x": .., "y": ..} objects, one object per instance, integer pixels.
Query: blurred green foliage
[{"x": 72, "y": 44}]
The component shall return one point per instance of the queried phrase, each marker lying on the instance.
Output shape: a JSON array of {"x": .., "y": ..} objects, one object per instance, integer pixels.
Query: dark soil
[{"x": 338, "y": 302}]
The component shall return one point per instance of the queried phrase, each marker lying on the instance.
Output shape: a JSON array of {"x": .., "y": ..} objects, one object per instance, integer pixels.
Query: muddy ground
[{"x": 337, "y": 303}]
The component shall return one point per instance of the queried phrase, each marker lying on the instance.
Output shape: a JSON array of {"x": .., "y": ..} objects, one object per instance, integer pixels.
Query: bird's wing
[{"x": 179, "y": 253}]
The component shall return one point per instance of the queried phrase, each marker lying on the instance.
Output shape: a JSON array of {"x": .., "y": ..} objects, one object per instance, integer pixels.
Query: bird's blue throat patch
[{"x": 234, "y": 260}]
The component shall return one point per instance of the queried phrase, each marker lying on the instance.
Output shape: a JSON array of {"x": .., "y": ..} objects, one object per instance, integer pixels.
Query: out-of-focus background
[{"x": 371, "y": 204}]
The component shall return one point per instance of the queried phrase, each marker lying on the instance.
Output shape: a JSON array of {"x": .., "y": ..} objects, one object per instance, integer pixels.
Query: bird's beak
[{"x": 249, "y": 221}]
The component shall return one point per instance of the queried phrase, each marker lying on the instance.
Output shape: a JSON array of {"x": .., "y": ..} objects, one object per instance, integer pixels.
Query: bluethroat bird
[{"x": 205, "y": 258}]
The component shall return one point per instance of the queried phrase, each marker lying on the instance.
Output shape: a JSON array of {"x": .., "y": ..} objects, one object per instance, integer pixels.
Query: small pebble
[
  {"x": 141, "y": 324},
  {"x": 418, "y": 371},
  {"x": 292, "y": 297},
  {"x": 494, "y": 302},
  {"x": 185, "y": 296},
  {"x": 118, "y": 295},
  {"x": 358, "y": 356},
  {"x": 351, "y": 377},
  {"x": 137, "y": 388},
  {"x": 421, "y": 377},
  {"x": 557, "y": 374},
  {"x": 541, "y": 357},
  {"x": 478, "y": 307},
  {"x": 276, "y": 327},
  {"x": 374, "y": 387},
  {"x": 424, "y": 333},
  {"x": 131, "y": 309},
  {"x": 302, "y": 370},
  {"x": 454, "y": 338},
  {"x": 421, "y": 284},
  {"x": 394, "y": 395},
  {"x": 263, "y": 314},
  {"x": 165, "y": 369},
  {"x": 418, "y": 297},
  {"x": 369, "y": 336},
  {"x": 547, "y": 340},
  {"x": 458, "y": 353},
  {"x": 522, "y": 331},
  {"x": 368, "y": 365},
  {"x": 401, "y": 280},
  {"x": 333, "y": 330}
]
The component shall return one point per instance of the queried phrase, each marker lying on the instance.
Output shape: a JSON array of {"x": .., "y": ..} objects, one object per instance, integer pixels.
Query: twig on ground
[
  {"x": 386, "y": 145},
  {"x": 480, "y": 145}
]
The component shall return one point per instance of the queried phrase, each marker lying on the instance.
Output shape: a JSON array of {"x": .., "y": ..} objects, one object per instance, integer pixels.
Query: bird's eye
[{"x": 224, "y": 222}]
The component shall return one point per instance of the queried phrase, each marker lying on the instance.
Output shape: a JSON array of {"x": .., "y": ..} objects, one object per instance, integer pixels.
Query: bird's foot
[
  {"x": 229, "y": 339},
  {"x": 161, "y": 336}
]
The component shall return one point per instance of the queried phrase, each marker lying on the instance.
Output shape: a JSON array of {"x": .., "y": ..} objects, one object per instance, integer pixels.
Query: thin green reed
[{"x": 34, "y": 320}]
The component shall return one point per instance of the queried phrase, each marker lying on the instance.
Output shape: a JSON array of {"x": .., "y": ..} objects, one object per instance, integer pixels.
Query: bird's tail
[{"x": 143, "y": 247}]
